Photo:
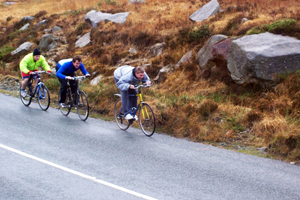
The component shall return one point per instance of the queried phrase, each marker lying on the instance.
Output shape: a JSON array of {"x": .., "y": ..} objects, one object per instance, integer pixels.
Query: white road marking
[{"x": 78, "y": 173}]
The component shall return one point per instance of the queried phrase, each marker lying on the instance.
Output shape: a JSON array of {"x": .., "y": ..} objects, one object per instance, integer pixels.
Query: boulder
[
  {"x": 206, "y": 11},
  {"x": 136, "y": 1},
  {"x": 258, "y": 58},
  {"x": 84, "y": 40},
  {"x": 26, "y": 26},
  {"x": 157, "y": 49},
  {"x": 48, "y": 41},
  {"x": 185, "y": 59},
  {"x": 23, "y": 47},
  {"x": 94, "y": 17},
  {"x": 204, "y": 55}
]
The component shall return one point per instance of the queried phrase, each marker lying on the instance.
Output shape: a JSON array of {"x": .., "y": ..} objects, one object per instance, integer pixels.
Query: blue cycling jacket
[{"x": 66, "y": 68}]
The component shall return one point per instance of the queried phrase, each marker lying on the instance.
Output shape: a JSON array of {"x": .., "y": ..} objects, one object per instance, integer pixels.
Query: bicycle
[
  {"x": 80, "y": 102},
  {"x": 40, "y": 93},
  {"x": 146, "y": 116}
]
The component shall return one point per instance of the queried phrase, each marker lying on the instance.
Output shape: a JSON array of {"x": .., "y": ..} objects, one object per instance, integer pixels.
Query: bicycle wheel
[
  {"x": 147, "y": 119},
  {"x": 43, "y": 97},
  {"x": 82, "y": 106},
  {"x": 68, "y": 104},
  {"x": 122, "y": 123},
  {"x": 26, "y": 100}
]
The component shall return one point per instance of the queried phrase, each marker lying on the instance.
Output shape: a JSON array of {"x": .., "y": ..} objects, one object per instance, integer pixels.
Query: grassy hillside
[{"x": 186, "y": 103}]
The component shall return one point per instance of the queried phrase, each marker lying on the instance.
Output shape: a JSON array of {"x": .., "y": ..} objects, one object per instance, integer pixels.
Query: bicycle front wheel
[
  {"x": 82, "y": 106},
  {"x": 68, "y": 104},
  {"x": 43, "y": 97},
  {"x": 27, "y": 99},
  {"x": 122, "y": 123},
  {"x": 147, "y": 119}
]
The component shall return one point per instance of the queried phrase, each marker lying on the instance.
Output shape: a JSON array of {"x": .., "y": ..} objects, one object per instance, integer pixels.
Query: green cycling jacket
[{"x": 27, "y": 64}]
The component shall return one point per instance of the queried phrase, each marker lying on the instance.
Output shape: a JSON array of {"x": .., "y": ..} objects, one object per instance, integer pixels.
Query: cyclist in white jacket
[{"x": 126, "y": 77}]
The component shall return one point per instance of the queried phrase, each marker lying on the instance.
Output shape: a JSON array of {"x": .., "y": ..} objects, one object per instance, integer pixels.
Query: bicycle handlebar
[
  {"x": 78, "y": 78},
  {"x": 143, "y": 85},
  {"x": 39, "y": 72}
]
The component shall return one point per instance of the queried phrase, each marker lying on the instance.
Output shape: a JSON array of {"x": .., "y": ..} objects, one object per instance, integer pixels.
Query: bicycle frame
[
  {"x": 143, "y": 114},
  {"x": 36, "y": 88}
]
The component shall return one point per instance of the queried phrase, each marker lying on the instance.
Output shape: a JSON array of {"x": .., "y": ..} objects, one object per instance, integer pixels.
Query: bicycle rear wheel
[
  {"x": 82, "y": 106},
  {"x": 43, "y": 97},
  {"x": 147, "y": 119},
  {"x": 122, "y": 123},
  {"x": 26, "y": 100},
  {"x": 68, "y": 104}
]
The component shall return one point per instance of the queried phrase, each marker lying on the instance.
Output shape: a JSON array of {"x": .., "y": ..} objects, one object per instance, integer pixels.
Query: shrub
[
  {"x": 207, "y": 107},
  {"x": 5, "y": 50},
  {"x": 201, "y": 33},
  {"x": 282, "y": 26}
]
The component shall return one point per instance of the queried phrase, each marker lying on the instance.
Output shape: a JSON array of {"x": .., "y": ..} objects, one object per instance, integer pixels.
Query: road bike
[
  {"x": 78, "y": 101},
  {"x": 144, "y": 112},
  {"x": 40, "y": 92}
]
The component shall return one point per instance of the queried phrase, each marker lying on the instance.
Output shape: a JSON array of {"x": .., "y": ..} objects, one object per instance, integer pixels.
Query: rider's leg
[
  {"x": 74, "y": 86},
  {"x": 125, "y": 102},
  {"x": 63, "y": 90},
  {"x": 132, "y": 98},
  {"x": 24, "y": 83}
]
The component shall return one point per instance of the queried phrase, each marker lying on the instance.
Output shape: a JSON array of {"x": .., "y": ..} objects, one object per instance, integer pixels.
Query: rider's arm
[
  {"x": 44, "y": 64},
  {"x": 24, "y": 64},
  {"x": 146, "y": 79},
  {"x": 60, "y": 71},
  {"x": 83, "y": 70}
]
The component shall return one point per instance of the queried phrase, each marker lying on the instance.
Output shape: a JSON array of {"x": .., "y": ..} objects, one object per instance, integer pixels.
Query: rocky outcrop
[
  {"x": 48, "y": 42},
  {"x": 251, "y": 59},
  {"x": 206, "y": 11}
]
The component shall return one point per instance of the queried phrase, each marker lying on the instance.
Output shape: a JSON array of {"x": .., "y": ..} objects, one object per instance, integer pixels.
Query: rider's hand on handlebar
[
  {"x": 49, "y": 71},
  {"x": 131, "y": 87},
  {"x": 87, "y": 75},
  {"x": 31, "y": 72},
  {"x": 148, "y": 83},
  {"x": 69, "y": 77}
]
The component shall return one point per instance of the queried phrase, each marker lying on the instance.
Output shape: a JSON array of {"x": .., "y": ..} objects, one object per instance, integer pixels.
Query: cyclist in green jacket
[{"x": 30, "y": 63}]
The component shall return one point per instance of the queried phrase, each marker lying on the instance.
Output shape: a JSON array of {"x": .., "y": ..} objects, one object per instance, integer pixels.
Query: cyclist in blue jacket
[
  {"x": 126, "y": 77},
  {"x": 65, "y": 70}
]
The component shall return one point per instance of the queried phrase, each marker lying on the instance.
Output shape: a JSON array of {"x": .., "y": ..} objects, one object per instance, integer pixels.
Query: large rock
[
  {"x": 48, "y": 42},
  {"x": 23, "y": 47},
  {"x": 94, "y": 17},
  {"x": 257, "y": 58},
  {"x": 84, "y": 40},
  {"x": 206, "y": 11},
  {"x": 204, "y": 55}
]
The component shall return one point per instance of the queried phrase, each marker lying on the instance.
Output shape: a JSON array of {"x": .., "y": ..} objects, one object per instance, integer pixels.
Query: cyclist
[
  {"x": 30, "y": 63},
  {"x": 65, "y": 70},
  {"x": 126, "y": 77}
]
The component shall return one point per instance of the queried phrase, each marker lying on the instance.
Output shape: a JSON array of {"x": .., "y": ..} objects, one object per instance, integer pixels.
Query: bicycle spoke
[
  {"x": 82, "y": 106},
  {"x": 147, "y": 119},
  {"x": 122, "y": 123},
  {"x": 66, "y": 110},
  {"x": 26, "y": 100},
  {"x": 43, "y": 97}
]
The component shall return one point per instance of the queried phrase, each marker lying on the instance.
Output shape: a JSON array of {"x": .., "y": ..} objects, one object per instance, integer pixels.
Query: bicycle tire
[
  {"x": 147, "y": 119},
  {"x": 43, "y": 97},
  {"x": 68, "y": 104},
  {"x": 82, "y": 106},
  {"x": 26, "y": 100},
  {"x": 122, "y": 123}
]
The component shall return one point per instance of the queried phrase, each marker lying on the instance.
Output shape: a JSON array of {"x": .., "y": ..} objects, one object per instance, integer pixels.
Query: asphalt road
[{"x": 44, "y": 155}]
